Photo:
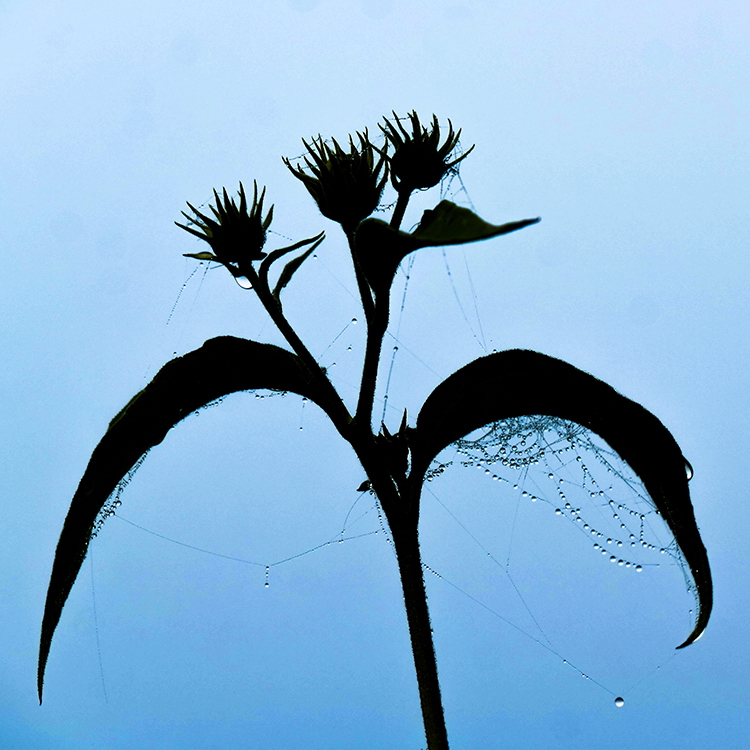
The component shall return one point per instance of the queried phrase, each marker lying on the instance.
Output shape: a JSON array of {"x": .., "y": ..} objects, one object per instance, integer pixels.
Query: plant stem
[
  {"x": 406, "y": 543},
  {"x": 376, "y": 327},
  {"x": 400, "y": 210},
  {"x": 334, "y": 406}
]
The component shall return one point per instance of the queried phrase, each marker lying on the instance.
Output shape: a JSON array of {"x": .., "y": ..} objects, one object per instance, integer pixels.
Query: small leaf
[
  {"x": 220, "y": 367},
  {"x": 265, "y": 266},
  {"x": 290, "y": 269},
  {"x": 524, "y": 383},
  {"x": 201, "y": 256},
  {"x": 380, "y": 248},
  {"x": 449, "y": 224}
]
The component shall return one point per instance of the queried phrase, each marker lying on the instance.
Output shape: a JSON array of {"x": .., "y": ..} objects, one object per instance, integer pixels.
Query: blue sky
[{"x": 623, "y": 125}]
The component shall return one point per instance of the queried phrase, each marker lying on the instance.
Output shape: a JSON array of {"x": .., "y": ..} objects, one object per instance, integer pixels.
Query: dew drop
[
  {"x": 244, "y": 282},
  {"x": 688, "y": 470},
  {"x": 354, "y": 321},
  {"x": 558, "y": 511},
  {"x": 619, "y": 702},
  {"x": 639, "y": 568},
  {"x": 613, "y": 559}
]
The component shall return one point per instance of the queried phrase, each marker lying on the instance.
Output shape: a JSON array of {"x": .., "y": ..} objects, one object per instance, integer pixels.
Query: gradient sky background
[{"x": 624, "y": 125}]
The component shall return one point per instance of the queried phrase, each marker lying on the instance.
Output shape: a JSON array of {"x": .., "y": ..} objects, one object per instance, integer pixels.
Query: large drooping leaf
[
  {"x": 380, "y": 248},
  {"x": 221, "y": 366},
  {"x": 522, "y": 383}
]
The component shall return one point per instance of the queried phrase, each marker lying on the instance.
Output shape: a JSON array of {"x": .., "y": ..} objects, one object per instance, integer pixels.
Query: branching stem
[{"x": 334, "y": 406}]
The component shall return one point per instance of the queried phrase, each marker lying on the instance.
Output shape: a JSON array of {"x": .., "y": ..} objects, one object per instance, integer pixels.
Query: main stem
[{"x": 406, "y": 542}]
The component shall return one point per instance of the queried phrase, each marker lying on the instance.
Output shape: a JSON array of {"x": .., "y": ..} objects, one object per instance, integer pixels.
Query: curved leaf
[
  {"x": 221, "y": 366},
  {"x": 380, "y": 248},
  {"x": 522, "y": 383},
  {"x": 291, "y": 268}
]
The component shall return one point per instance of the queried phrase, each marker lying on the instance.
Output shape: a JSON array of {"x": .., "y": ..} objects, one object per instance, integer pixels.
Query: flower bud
[
  {"x": 419, "y": 161},
  {"x": 235, "y": 235},
  {"x": 346, "y": 185}
]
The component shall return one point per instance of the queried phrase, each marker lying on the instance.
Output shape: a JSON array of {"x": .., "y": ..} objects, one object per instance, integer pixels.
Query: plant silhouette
[{"x": 347, "y": 184}]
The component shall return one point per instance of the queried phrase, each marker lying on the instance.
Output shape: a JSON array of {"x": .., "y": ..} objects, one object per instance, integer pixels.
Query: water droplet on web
[
  {"x": 619, "y": 702},
  {"x": 244, "y": 282}
]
